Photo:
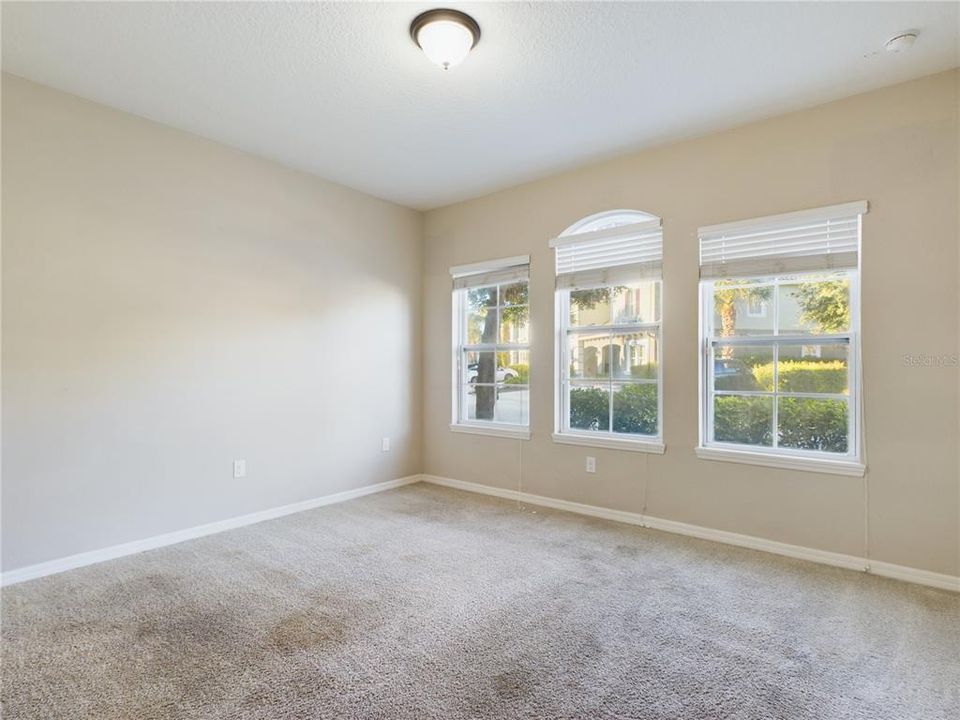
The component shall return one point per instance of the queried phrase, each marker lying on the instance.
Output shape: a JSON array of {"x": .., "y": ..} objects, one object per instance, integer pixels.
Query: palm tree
[{"x": 726, "y": 295}]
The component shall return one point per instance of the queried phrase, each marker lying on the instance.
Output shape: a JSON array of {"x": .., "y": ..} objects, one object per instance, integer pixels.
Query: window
[
  {"x": 608, "y": 293},
  {"x": 756, "y": 307},
  {"x": 491, "y": 394},
  {"x": 781, "y": 387}
]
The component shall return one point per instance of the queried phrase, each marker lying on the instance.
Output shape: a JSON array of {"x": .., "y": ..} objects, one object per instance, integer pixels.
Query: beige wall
[
  {"x": 898, "y": 149},
  {"x": 169, "y": 305}
]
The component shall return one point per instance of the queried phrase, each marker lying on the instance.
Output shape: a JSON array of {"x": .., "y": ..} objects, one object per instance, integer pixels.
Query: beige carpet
[{"x": 430, "y": 603}]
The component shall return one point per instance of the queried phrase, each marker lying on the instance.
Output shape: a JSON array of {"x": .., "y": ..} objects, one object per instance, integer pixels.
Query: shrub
[
  {"x": 589, "y": 409},
  {"x": 523, "y": 374},
  {"x": 747, "y": 420},
  {"x": 634, "y": 409},
  {"x": 811, "y": 424},
  {"x": 816, "y": 376},
  {"x": 644, "y": 372},
  {"x": 805, "y": 423}
]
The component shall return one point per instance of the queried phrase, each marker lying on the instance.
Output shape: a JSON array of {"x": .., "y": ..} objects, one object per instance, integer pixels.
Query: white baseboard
[
  {"x": 851, "y": 562},
  {"x": 11, "y": 577}
]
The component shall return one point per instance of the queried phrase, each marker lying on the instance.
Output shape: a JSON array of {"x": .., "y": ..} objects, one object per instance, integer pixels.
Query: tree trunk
[
  {"x": 487, "y": 365},
  {"x": 728, "y": 324}
]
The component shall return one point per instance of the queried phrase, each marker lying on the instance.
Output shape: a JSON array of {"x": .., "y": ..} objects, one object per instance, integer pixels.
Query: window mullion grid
[
  {"x": 495, "y": 347},
  {"x": 610, "y": 377},
  {"x": 707, "y": 353},
  {"x": 776, "y": 393},
  {"x": 568, "y": 332},
  {"x": 619, "y": 329},
  {"x": 610, "y": 319},
  {"x": 775, "y": 439},
  {"x": 461, "y": 368}
]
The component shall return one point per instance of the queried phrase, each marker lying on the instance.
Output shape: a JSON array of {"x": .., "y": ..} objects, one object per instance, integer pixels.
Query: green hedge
[
  {"x": 813, "y": 424},
  {"x": 816, "y": 376},
  {"x": 644, "y": 372},
  {"x": 805, "y": 423},
  {"x": 746, "y": 420},
  {"x": 634, "y": 409},
  {"x": 589, "y": 409},
  {"x": 523, "y": 374}
]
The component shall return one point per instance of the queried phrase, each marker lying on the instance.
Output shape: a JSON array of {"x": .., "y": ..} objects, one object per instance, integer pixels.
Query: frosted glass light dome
[{"x": 445, "y": 36}]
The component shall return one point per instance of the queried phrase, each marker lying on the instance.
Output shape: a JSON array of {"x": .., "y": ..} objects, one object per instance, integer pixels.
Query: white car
[{"x": 503, "y": 374}]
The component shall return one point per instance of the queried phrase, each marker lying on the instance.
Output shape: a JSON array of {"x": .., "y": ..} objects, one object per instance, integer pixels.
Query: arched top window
[
  {"x": 606, "y": 220},
  {"x": 608, "y": 279}
]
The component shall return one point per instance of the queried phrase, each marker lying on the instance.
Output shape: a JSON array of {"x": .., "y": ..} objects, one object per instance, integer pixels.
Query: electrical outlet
[
  {"x": 385, "y": 445},
  {"x": 239, "y": 468},
  {"x": 591, "y": 464}
]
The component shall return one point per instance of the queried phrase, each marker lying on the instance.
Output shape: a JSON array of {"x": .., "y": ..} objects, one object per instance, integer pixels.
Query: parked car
[
  {"x": 733, "y": 374},
  {"x": 503, "y": 374}
]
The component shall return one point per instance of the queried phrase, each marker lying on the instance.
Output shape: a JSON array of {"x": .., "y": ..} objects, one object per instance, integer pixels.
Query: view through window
[
  {"x": 492, "y": 375},
  {"x": 780, "y": 318},
  {"x": 608, "y": 288},
  {"x": 782, "y": 380}
]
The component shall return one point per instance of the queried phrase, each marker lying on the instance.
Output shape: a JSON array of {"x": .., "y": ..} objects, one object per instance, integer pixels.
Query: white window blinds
[
  {"x": 810, "y": 240},
  {"x": 492, "y": 272},
  {"x": 613, "y": 255}
]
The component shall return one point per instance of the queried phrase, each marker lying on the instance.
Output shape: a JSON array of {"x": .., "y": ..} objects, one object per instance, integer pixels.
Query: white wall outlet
[
  {"x": 239, "y": 468},
  {"x": 591, "y": 464},
  {"x": 385, "y": 445}
]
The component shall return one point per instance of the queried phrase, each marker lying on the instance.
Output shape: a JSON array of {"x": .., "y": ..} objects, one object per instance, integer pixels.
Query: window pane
[
  {"x": 813, "y": 424},
  {"x": 481, "y": 315},
  {"x": 590, "y": 307},
  {"x": 513, "y": 325},
  {"x": 743, "y": 367},
  {"x": 589, "y": 355},
  {"x": 813, "y": 369},
  {"x": 512, "y": 404},
  {"x": 744, "y": 420},
  {"x": 819, "y": 305},
  {"x": 636, "y": 303},
  {"x": 634, "y": 356},
  {"x": 635, "y": 408},
  {"x": 513, "y": 367},
  {"x": 515, "y": 294},
  {"x": 478, "y": 367},
  {"x": 498, "y": 403},
  {"x": 590, "y": 407},
  {"x": 741, "y": 307}
]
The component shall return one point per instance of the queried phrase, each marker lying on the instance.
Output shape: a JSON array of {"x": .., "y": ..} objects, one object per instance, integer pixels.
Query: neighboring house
[
  {"x": 619, "y": 355},
  {"x": 755, "y": 317}
]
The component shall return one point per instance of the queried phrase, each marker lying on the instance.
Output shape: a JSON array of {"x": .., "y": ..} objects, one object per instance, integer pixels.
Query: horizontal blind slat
[
  {"x": 587, "y": 260},
  {"x": 791, "y": 243},
  {"x": 616, "y": 275},
  {"x": 518, "y": 273}
]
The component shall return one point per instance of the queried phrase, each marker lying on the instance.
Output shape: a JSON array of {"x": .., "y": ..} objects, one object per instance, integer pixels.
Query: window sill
[
  {"x": 613, "y": 443},
  {"x": 786, "y": 462},
  {"x": 514, "y": 432}
]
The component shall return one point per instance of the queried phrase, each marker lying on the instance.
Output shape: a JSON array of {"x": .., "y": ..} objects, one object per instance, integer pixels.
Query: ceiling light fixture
[
  {"x": 901, "y": 42},
  {"x": 445, "y": 36}
]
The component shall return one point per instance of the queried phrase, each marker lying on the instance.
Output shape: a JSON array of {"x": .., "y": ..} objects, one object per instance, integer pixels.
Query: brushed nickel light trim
[{"x": 438, "y": 14}]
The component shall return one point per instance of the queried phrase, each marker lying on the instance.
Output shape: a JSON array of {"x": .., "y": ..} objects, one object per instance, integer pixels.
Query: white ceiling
[{"x": 340, "y": 90}]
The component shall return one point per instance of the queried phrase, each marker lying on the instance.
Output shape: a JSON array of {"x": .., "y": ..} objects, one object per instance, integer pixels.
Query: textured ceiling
[{"x": 340, "y": 90}]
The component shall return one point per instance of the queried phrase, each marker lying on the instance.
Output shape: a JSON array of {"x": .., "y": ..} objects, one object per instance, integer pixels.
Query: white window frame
[
  {"x": 851, "y": 463},
  {"x": 459, "y": 422},
  {"x": 563, "y": 434}
]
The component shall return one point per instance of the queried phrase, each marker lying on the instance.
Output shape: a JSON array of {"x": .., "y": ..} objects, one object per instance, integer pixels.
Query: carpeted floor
[{"x": 425, "y": 602}]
